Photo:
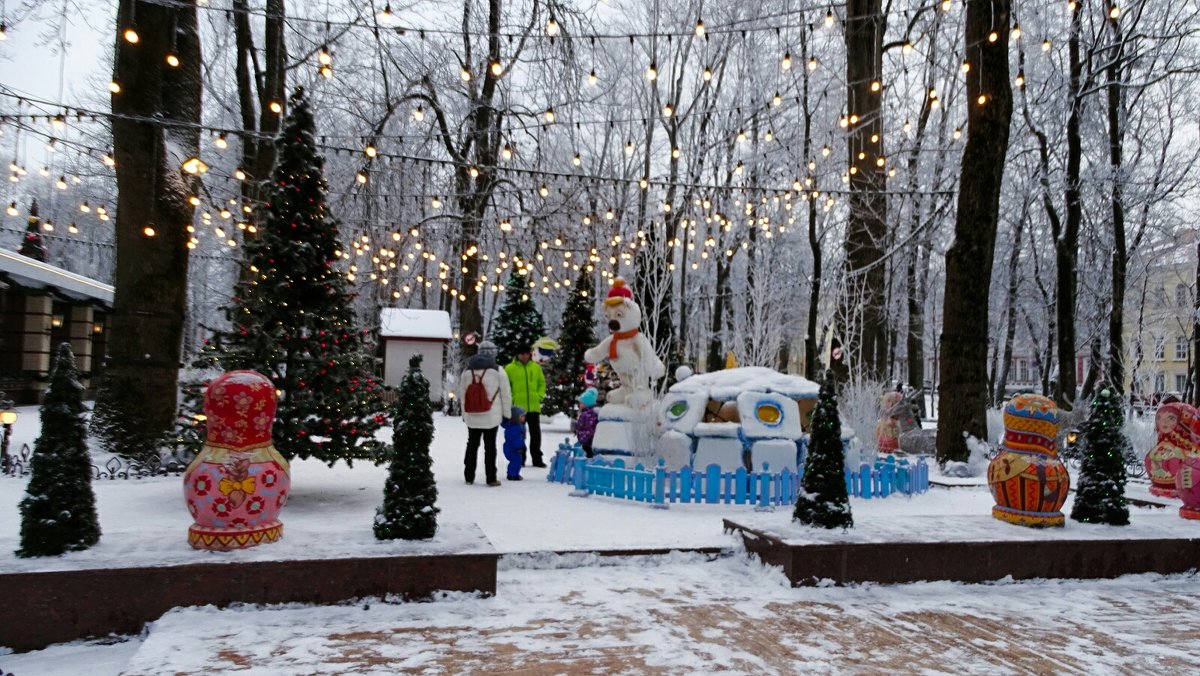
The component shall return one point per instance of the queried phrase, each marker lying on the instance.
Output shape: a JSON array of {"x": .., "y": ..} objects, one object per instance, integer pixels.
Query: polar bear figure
[{"x": 629, "y": 352}]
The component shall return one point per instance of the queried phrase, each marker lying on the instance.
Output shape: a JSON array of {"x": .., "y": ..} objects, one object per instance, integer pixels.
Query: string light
[
  {"x": 699, "y": 28},
  {"x": 419, "y": 113},
  {"x": 652, "y": 72},
  {"x": 829, "y": 18},
  {"x": 786, "y": 63},
  {"x": 550, "y": 115},
  {"x": 172, "y": 60},
  {"x": 131, "y": 35},
  {"x": 276, "y": 107},
  {"x": 551, "y": 27},
  {"x": 194, "y": 165},
  {"x": 592, "y": 77},
  {"x": 221, "y": 142},
  {"x": 386, "y": 18},
  {"x": 114, "y": 87},
  {"x": 464, "y": 74}
]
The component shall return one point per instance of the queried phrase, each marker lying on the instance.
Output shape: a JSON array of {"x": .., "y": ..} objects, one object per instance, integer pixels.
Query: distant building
[
  {"x": 403, "y": 333},
  {"x": 42, "y": 305}
]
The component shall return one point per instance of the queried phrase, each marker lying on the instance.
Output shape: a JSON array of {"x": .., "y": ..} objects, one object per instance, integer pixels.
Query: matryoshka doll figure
[
  {"x": 887, "y": 430},
  {"x": 238, "y": 482},
  {"x": 1027, "y": 479},
  {"x": 1175, "y": 424}
]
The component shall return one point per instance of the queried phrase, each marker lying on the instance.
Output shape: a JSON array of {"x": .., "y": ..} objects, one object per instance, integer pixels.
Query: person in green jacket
[{"x": 528, "y": 389}]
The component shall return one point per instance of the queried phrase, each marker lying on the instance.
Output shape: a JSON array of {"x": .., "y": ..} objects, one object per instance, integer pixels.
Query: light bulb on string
[
  {"x": 131, "y": 35},
  {"x": 172, "y": 60},
  {"x": 12, "y": 209},
  {"x": 667, "y": 110},
  {"x": 497, "y": 68},
  {"x": 507, "y": 152},
  {"x": 419, "y": 113},
  {"x": 114, "y": 87},
  {"x": 239, "y": 174},
  {"x": 629, "y": 148},
  {"x": 85, "y": 207},
  {"x": 3, "y": 31},
  {"x": 276, "y": 107},
  {"x": 777, "y": 100},
  {"x": 699, "y": 28},
  {"x": 58, "y": 122},
  {"x": 324, "y": 57},
  {"x": 464, "y": 74},
  {"x": 326, "y": 71},
  {"x": 592, "y": 77},
  {"x": 549, "y": 115},
  {"x": 708, "y": 73},
  {"x": 786, "y": 63},
  {"x": 386, "y": 18},
  {"x": 652, "y": 72},
  {"x": 221, "y": 141},
  {"x": 1016, "y": 31},
  {"x": 552, "y": 27}
]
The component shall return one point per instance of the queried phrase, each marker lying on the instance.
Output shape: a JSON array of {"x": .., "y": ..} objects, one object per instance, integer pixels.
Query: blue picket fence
[{"x": 765, "y": 490}]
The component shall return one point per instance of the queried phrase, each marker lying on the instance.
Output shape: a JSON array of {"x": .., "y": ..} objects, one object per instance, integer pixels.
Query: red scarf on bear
[{"x": 619, "y": 335}]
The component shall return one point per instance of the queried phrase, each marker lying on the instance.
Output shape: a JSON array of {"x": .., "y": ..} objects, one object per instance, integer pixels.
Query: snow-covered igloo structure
[{"x": 738, "y": 417}]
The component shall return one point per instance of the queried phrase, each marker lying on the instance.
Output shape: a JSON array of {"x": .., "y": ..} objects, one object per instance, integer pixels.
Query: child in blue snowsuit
[{"x": 514, "y": 442}]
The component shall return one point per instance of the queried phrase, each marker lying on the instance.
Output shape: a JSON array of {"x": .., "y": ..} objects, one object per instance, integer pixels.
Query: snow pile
[{"x": 726, "y": 385}]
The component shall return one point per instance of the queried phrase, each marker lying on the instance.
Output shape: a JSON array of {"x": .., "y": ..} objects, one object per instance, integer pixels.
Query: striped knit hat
[{"x": 1031, "y": 424}]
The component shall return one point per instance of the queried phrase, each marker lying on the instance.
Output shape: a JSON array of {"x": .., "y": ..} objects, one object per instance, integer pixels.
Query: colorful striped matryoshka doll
[
  {"x": 238, "y": 482},
  {"x": 1027, "y": 479}
]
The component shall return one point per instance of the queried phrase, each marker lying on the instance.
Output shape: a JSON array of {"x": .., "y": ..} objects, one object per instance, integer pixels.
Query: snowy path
[{"x": 680, "y": 614}]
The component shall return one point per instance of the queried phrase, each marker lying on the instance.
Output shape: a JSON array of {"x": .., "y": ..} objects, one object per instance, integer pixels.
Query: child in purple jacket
[{"x": 585, "y": 426}]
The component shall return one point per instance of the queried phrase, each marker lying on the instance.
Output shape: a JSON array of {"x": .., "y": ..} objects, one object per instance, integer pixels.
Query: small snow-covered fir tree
[
  {"x": 58, "y": 513},
  {"x": 564, "y": 379},
  {"x": 293, "y": 318},
  {"x": 32, "y": 244},
  {"x": 823, "y": 501},
  {"x": 409, "y": 495},
  {"x": 1100, "y": 495},
  {"x": 518, "y": 322}
]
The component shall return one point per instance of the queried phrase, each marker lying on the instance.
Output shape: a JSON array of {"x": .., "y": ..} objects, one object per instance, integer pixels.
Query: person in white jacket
[{"x": 483, "y": 409}]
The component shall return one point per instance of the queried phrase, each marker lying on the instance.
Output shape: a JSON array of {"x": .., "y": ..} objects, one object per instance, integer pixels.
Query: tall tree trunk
[
  {"x": 716, "y": 359},
  {"x": 136, "y": 404},
  {"x": 1010, "y": 305},
  {"x": 863, "y": 304},
  {"x": 1120, "y": 256},
  {"x": 811, "y": 346},
  {"x": 963, "y": 404},
  {"x": 1067, "y": 244}
]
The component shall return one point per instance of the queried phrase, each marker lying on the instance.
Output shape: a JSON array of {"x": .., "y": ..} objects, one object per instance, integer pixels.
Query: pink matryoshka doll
[
  {"x": 1175, "y": 424},
  {"x": 1187, "y": 484},
  {"x": 238, "y": 482},
  {"x": 1027, "y": 479}
]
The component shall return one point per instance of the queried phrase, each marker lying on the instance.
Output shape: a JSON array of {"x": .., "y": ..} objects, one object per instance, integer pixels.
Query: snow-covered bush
[{"x": 858, "y": 405}]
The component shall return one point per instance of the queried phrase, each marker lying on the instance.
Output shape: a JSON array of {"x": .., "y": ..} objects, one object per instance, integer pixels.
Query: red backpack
[{"x": 476, "y": 399}]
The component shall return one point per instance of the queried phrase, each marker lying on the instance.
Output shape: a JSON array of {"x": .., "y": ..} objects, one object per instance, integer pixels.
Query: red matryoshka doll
[
  {"x": 887, "y": 430},
  {"x": 1027, "y": 479},
  {"x": 238, "y": 482},
  {"x": 1175, "y": 424}
]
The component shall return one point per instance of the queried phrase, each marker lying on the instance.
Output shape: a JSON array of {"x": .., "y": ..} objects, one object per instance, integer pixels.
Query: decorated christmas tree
[
  {"x": 58, "y": 513},
  {"x": 823, "y": 501},
  {"x": 410, "y": 494},
  {"x": 564, "y": 379},
  {"x": 32, "y": 244},
  {"x": 1100, "y": 495},
  {"x": 518, "y": 322},
  {"x": 293, "y": 319}
]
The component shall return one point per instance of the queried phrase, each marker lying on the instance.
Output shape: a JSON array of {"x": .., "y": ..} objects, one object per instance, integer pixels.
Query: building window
[
  {"x": 1160, "y": 382},
  {"x": 1160, "y": 297},
  {"x": 1180, "y": 382},
  {"x": 1181, "y": 348},
  {"x": 1181, "y": 295},
  {"x": 1160, "y": 347},
  {"x": 1022, "y": 370}
]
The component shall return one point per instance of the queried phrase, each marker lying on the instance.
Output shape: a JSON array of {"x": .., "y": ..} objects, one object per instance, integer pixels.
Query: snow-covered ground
[
  {"x": 144, "y": 522},
  {"x": 571, "y": 613},
  {"x": 683, "y": 613}
]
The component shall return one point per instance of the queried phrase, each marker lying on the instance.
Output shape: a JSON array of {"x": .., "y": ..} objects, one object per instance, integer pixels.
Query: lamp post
[{"x": 8, "y": 416}]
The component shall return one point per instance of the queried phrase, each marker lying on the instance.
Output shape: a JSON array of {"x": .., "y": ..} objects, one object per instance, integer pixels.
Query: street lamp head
[{"x": 8, "y": 417}]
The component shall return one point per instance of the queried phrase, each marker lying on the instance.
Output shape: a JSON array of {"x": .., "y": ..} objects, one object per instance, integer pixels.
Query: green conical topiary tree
[
  {"x": 823, "y": 501},
  {"x": 410, "y": 494},
  {"x": 564, "y": 379},
  {"x": 58, "y": 513},
  {"x": 518, "y": 322},
  {"x": 1100, "y": 494},
  {"x": 293, "y": 319}
]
